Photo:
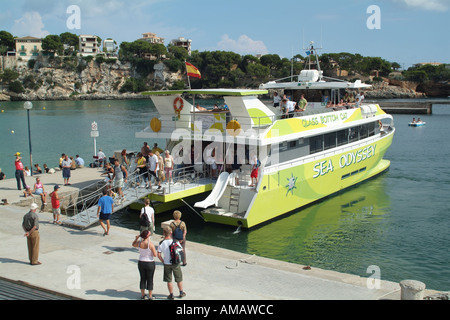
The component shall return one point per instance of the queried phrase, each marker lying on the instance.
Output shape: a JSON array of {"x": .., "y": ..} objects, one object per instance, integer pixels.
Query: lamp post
[{"x": 28, "y": 106}]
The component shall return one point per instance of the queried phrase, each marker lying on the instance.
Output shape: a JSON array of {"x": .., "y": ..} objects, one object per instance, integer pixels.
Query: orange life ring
[{"x": 175, "y": 105}]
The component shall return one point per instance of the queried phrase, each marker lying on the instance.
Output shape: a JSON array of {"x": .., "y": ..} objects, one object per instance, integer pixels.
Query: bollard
[{"x": 412, "y": 290}]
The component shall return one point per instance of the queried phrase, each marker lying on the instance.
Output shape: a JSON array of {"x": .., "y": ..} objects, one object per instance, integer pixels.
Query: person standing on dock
[
  {"x": 66, "y": 164},
  {"x": 169, "y": 268},
  {"x": 179, "y": 232},
  {"x": 56, "y": 210},
  {"x": 146, "y": 263},
  {"x": 20, "y": 171},
  {"x": 105, "y": 209},
  {"x": 30, "y": 225}
]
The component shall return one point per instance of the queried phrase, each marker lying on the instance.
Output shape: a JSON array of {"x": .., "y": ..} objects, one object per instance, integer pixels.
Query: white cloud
[
  {"x": 434, "y": 5},
  {"x": 29, "y": 25},
  {"x": 243, "y": 45}
]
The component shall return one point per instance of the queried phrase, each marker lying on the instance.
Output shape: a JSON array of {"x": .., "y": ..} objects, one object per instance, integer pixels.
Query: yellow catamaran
[{"x": 304, "y": 156}]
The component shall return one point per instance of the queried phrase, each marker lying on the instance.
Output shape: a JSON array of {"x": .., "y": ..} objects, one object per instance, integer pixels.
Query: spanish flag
[{"x": 192, "y": 71}]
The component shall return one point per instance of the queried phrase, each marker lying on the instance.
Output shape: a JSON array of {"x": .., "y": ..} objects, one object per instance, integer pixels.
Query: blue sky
[{"x": 410, "y": 31}]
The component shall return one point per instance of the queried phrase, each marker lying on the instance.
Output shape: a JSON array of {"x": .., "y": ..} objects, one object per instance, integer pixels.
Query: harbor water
[{"x": 395, "y": 224}]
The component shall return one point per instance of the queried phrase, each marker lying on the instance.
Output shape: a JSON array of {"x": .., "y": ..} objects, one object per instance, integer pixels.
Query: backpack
[
  {"x": 177, "y": 233},
  {"x": 258, "y": 163},
  {"x": 176, "y": 253},
  {"x": 144, "y": 220}
]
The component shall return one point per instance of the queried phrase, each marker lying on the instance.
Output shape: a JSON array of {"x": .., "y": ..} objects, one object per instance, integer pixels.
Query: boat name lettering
[
  {"x": 323, "y": 167},
  {"x": 357, "y": 156},
  {"x": 329, "y": 118},
  {"x": 326, "y": 166}
]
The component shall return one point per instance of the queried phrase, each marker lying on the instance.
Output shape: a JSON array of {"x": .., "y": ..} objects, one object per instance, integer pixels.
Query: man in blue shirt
[
  {"x": 79, "y": 161},
  {"x": 105, "y": 209}
]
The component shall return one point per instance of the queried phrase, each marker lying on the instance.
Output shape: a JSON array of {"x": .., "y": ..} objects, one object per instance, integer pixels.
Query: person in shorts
[
  {"x": 104, "y": 211},
  {"x": 55, "y": 205},
  {"x": 169, "y": 268}
]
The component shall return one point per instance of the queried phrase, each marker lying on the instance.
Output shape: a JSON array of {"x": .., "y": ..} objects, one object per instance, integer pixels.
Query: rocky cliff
[{"x": 75, "y": 78}]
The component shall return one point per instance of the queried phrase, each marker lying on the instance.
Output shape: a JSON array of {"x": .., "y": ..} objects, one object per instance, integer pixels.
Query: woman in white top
[
  {"x": 146, "y": 264},
  {"x": 151, "y": 216},
  {"x": 168, "y": 166}
]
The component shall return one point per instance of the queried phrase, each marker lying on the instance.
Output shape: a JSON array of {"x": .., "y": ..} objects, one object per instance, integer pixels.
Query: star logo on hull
[{"x": 291, "y": 184}]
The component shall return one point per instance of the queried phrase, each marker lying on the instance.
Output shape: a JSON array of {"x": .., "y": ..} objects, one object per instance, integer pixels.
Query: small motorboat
[{"x": 417, "y": 124}]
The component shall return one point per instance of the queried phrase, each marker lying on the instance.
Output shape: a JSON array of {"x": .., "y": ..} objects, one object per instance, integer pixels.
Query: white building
[
  {"x": 184, "y": 43},
  {"x": 152, "y": 38},
  {"x": 28, "y": 47},
  {"x": 109, "y": 46},
  {"x": 88, "y": 45}
]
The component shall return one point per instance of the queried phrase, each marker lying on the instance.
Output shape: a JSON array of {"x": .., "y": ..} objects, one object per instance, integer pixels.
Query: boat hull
[{"x": 298, "y": 185}]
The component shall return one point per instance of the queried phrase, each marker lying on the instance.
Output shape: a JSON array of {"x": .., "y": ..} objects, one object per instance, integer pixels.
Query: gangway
[{"x": 84, "y": 204}]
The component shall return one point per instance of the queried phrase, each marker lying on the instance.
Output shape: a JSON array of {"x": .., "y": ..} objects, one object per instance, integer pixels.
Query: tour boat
[{"x": 304, "y": 156}]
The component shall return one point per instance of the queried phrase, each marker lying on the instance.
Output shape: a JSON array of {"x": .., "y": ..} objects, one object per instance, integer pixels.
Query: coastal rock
[
  {"x": 435, "y": 89},
  {"x": 384, "y": 90}
]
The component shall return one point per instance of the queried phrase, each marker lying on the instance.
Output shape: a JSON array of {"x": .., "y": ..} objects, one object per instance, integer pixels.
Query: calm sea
[{"x": 398, "y": 221}]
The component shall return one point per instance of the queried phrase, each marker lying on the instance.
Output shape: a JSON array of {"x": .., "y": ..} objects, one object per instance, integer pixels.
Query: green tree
[
  {"x": 71, "y": 40},
  {"x": 8, "y": 76},
  {"x": 7, "y": 42},
  {"x": 52, "y": 43}
]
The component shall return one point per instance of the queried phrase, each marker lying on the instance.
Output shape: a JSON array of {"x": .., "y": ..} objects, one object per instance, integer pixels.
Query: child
[
  {"x": 28, "y": 192},
  {"x": 169, "y": 268},
  {"x": 55, "y": 205}
]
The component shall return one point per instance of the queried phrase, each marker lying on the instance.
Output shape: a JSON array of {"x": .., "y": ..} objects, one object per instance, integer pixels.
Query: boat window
[
  {"x": 342, "y": 137},
  {"x": 330, "y": 140},
  {"x": 372, "y": 127},
  {"x": 363, "y": 131},
  {"x": 293, "y": 144},
  {"x": 316, "y": 144},
  {"x": 353, "y": 134}
]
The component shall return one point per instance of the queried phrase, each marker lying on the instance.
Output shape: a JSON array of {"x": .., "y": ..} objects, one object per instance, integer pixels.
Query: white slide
[{"x": 216, "y": 193}]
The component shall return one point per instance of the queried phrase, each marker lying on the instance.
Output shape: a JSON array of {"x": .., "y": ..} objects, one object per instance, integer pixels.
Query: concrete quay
[{"x": 84, "y": 264}]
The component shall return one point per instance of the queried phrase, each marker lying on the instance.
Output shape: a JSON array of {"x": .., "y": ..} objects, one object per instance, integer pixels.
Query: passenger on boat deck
[
  {"x": 254, "y": 172},
  {"x": 413, "y": 120},
  {"x": 418, "y": 120},
  {"x": 145, "y": 150},
  {"x": 141, "y": 164},
  {"x": 199, "y": 108},
  {"x": 168, "y": 166},
  {"x": 346, "y": 98},
  {"x": 216, "y": 107},
  {"x": 302, "y": 103},
  {"x": 289, "y": 107},
  {"x": 329, "y": 104},
  {"x": 276, "y": 99}
]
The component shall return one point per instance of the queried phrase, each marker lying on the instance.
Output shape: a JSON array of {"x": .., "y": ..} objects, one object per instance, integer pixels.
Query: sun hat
[
  {"x": 17, "y": 154},
  {"x": 33, "y": 206}
]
